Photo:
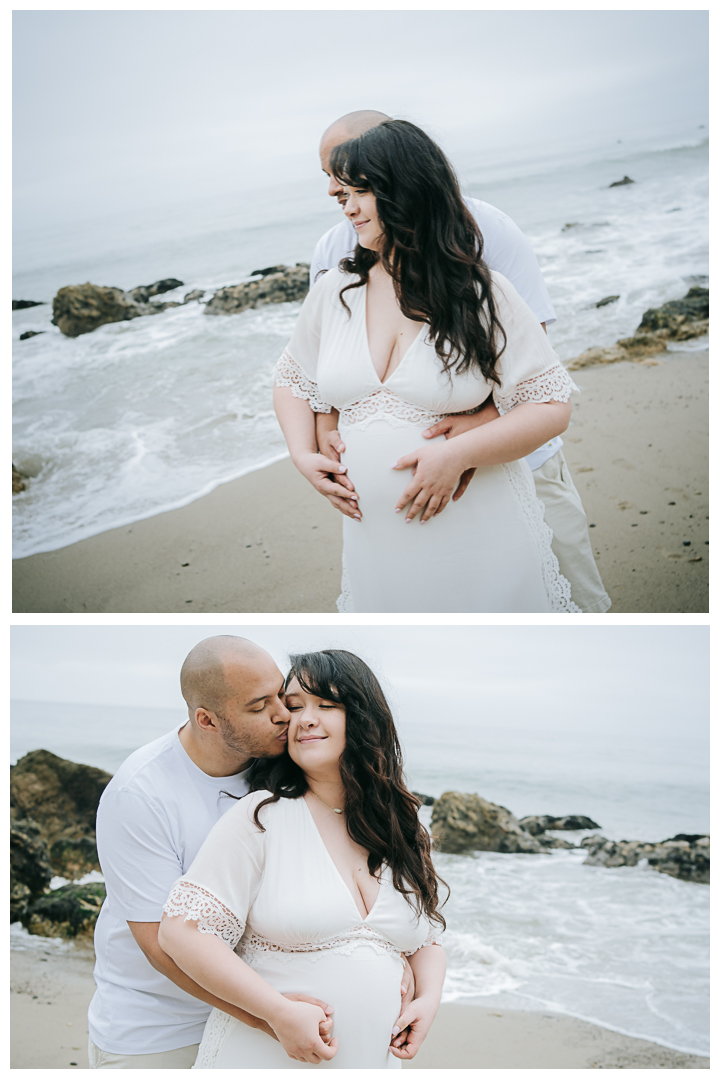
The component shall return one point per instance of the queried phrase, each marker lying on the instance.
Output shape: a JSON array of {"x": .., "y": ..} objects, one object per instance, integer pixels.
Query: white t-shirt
[
  {"x": 152, "y": 820},
  {"x": 506, "y": 249}
]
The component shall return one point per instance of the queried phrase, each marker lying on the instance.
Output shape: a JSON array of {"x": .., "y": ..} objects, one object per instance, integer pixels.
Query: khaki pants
[
  {"x": 183, "y": 1058},
  {"x": 571, "y": 541}
]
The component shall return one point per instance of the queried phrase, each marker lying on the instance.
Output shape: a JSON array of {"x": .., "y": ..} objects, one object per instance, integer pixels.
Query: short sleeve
[
  {"x": 219, "y": 888},
  {"x": 434, "y": 935},
  {"x": 137, "y": 856},
  {"x": 297, "y": 367},
  {"x": 529, "y": 368}
]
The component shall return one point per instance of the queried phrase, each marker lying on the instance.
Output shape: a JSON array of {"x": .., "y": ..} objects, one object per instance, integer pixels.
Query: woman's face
[
  {"x": 361, "y": 208},
  {"x": 316, "y": 736}
]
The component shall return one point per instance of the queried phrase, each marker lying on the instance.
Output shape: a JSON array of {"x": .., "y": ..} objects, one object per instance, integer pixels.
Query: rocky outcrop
[
  {"x": 279, "y": 285},
  {"x": 469, "y": 823},
  {"x": 31, "y": 333},
  {"x": 30, "y": 870},
  {"x": 683, "y": 856},
  {"x": 196, "y": 294},
  {"x": 536, "y": 826},
  {"x": 18, "y": 481},
  {"x": 678, "y": 320},
  {"x": 142, "y": 293},
  {"x": 426, "y": 800},
  {"x": 53, "y": 803},
  {"x": 60, "y": 797},
  {"x": 79, "y": 309},
  {"x": 607, "y": 300},
  {"x": 18, "y": 305},
  {"x": 69, "y": 911},
  {"x": 621, "y": 183}
]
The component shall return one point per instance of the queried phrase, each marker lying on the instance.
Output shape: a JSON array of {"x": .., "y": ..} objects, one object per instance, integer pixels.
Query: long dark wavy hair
[
  {"x": 432, "y": 247},
  {"x": 380, "y": 813}
]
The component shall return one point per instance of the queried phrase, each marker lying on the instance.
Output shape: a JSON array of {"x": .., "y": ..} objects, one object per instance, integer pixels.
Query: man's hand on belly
[{"x": 457, "y": 424}]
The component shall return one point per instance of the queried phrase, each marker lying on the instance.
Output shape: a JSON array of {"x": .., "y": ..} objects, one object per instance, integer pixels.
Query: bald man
[
  {"x": 152, "y": 819},
  {"x": 506, "y": 250}
]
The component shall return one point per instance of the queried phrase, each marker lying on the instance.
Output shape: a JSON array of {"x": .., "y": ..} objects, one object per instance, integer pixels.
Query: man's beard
[{"x": 249, "y": 747}]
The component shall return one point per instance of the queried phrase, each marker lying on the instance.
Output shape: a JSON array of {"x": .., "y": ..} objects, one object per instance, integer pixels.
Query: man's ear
[{"x": 205, "y": 720}]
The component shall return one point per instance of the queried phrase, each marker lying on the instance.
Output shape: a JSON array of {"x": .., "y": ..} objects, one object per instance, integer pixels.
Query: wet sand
[
  {"x": 637, "y": 449},
  {"x": 50, "y": 993}
]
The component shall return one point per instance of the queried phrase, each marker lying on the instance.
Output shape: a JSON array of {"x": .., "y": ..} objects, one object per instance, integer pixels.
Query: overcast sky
[
  {"x": 132, "y": 108},
  {"x": 618, "y": 679}
]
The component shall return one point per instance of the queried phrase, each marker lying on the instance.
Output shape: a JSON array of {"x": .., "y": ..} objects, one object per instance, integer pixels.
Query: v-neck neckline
[
  {"x": 364, "y": 918},
  {"x": 411, "y": 346}
]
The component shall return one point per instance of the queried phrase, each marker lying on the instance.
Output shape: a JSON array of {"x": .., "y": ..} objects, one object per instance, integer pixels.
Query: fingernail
[
  {"x": 394, "y": 465},
  {"x": 408, "y": 520},
  {"x": 398, "y": 509},
  {"x": 356, "y": 517},
  {"x": 342, "y": 468},
  {"x": 395, "y": 1031},
  {"x": 422, "y": 521}
]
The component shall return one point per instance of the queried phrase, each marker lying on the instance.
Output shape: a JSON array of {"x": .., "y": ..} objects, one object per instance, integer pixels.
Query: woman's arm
[
  {"x": 428, "y": 965},
  {"x": 213, "y": 965},
  {"x": 297, "y": 421},
  {"x": 437, "y": 468}
]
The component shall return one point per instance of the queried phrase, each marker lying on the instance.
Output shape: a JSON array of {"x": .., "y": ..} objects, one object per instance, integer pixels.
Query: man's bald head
[
  {"x": 350, "y": 126},
  {"x": 208, "y": 678}
]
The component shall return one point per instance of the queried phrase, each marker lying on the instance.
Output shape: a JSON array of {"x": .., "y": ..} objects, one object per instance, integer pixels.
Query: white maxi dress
[
  {"x": 277, "y": 899},
  {"x": 488, "y": 552}
]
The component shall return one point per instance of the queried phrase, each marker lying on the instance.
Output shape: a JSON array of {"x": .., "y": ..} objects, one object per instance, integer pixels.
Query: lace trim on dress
[
  {"x": 254, "y": 946},
  {"x": 344, "y": 602},
  {"x": 213, "y": 1036},
  {"x": 196, "y": 903},
  {"x": 382, "y": 404},
  {"x": 288, "y": 373},
  {"x": 553, "y": 385},
  {"x": 556, "y": 585}
]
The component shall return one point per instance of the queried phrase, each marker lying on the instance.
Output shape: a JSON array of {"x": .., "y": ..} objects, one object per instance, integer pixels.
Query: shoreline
[
  {"x": 266, "y": 542},
  {"x": 51, "y": 989}
]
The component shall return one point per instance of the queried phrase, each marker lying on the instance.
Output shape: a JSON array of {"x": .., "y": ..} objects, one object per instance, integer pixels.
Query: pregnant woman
[
  {"x": 317, "y": 884},
  {"x": 411, "y": 328}
]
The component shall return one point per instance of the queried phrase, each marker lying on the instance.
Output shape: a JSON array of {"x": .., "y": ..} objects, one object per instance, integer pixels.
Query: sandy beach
[
  {"x": 50, "y": 992},
  {"x": 637, "y": 448}
]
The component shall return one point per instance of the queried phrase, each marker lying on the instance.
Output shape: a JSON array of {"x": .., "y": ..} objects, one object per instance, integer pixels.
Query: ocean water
[
  {"x": 145, "y": 415},
  {"x": 625, "y": 948}
]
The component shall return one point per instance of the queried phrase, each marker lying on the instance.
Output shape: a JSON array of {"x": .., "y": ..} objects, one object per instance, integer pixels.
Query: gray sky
[
  {"x": 135, "y": 108},
  {"x": 618, "y": 679}
]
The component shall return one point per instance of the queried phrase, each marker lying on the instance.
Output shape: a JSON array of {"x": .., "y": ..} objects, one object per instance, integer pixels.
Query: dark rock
[
  {"x": 18, "y": 481},
  {"x": 142, "y": 293},
  {"x": 79, "y": 309},
  {"x": 621, "y": 183},
  {"x": 607, "y": 300},
  {"x": 18, "y": 305},
  {"x": 554, "y": 842},
  {"x": 570, "y": 225},
  {"x": 66, "y": 912},
  {"x": 536, "y": 826},
  {"x": 684, "y": 859},
  {"x": 61, "y": 797},
  {"x": 469, "y": 823},
  {"x": 30, "y": 870},
  {"x": 694, "y": 307},
  {"x": 284, "y": 284},
  {"x": 269, "y": 270},
  {"x": 426, "y": 800},
  {"x": 196, "y": 294},
  {"x": 31, "y": 333}
]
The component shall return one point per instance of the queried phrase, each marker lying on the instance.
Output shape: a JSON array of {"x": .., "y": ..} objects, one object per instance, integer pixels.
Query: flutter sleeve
[
  {"x": 297, "y": 367},
  {"x": 218, "y": 890},
  {"x": 434, "y": 936},
  {"x": 529, "y": 368}
]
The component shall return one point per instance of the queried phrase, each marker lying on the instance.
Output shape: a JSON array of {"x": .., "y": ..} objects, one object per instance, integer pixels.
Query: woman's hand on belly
[{"x": 437, "y": 472}]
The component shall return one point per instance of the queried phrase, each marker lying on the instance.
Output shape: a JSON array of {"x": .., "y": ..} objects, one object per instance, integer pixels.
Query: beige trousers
[
  {"x": 571, "y": 541},
  {"x": 183, "y": 1058}
]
